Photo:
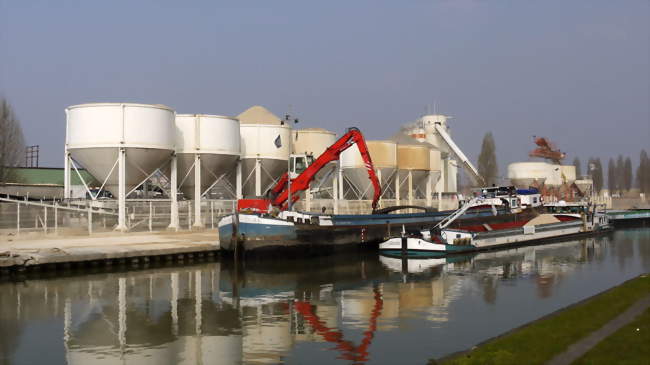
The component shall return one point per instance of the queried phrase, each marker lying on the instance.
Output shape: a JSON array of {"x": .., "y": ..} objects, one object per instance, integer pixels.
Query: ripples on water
[{"x": 347, "y": 309}]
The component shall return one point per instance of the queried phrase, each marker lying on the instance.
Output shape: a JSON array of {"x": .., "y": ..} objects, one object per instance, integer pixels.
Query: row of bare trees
[{"x": 12, "y": 141}]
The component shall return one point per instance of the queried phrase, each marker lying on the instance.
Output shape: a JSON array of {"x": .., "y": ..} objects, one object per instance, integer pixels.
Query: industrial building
[{"x": 201, "y": 160}]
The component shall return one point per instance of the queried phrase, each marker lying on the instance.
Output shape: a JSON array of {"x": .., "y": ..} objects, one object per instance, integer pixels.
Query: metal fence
[{"x": 22, "y": 216}]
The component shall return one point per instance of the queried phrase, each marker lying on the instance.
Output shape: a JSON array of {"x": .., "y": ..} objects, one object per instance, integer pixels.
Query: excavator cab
[{"x": 298, "y": 163}]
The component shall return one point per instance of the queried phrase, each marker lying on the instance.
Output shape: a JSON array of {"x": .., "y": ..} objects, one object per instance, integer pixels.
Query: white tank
[
  {"x": 413, "y": 160},
  {"x": 215, "y": 138},
  {"x": 264, "y": 138},
  {"x": 96, "y": 132},
  {"x": 431, "y": 136},
  {"x": 525, "y": 174},
  {"x": 357, "y": 185}
]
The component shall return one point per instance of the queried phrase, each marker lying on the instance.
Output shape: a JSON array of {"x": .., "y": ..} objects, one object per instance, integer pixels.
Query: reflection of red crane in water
[
  {"x": 547, "y": 150},
  {"x": 357, "y": 354}
]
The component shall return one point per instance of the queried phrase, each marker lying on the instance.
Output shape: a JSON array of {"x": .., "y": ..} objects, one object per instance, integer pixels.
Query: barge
[{"x": 559, "y": 221}]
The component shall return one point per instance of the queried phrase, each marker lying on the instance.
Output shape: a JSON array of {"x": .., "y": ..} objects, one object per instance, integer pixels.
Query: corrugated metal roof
[{"x": 47, "y": 175}]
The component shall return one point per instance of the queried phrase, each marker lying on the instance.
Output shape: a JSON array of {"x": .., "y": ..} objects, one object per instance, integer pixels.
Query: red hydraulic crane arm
[{"x": 301, "y": 182}]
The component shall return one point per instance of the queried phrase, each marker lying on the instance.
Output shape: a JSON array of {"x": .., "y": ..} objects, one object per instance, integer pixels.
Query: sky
[{"x": 577, "y": 72}]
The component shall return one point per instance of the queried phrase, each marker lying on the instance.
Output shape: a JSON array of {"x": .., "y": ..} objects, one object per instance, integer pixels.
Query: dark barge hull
[{"x": 348, "y": 232}]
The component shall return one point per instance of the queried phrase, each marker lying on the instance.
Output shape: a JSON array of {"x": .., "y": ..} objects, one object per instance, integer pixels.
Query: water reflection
[{"x": 355, "y": 308}]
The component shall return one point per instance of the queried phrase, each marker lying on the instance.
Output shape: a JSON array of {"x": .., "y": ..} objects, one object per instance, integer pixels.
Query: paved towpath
[
  {"x": 581, "y": 347},
  {"x": 62, "y": 249}
]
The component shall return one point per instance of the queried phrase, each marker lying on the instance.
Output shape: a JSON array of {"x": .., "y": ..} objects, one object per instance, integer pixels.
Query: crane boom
[
  {"x": 280, "y": 192},
  {"x": 460, "y": 154}
]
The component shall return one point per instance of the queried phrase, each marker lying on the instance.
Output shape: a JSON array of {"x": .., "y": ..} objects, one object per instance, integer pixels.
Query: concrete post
[
  {"x": 150, "y": 216},
  {"x": 66, "y": 175},
  {"x": 45, "y": 219},
  {"x": 258, "y": 177},
  {"x": 429, "y": 186},
  {"x": 189, "y": 214},
  {"x": 121, "y": 199},
  {"x": 341, "y": 192},
  {"x": 198, "y": 221},
  {"x": 382, "y": 193},
  {"x": 335, "y": 192},
  {"x": 56, "y": 218},
  {"x": 90, "y": 220},
  {"x": 212, "y": 214},
  {"x": 173, "y": 224},
  {"x": 17, "y": 218},
  {"x": 397, "y": 183},
  {"x": 308, "y": 199},
  {"x": 238, "y": 188},
  {"x": 410, "y": 186}
]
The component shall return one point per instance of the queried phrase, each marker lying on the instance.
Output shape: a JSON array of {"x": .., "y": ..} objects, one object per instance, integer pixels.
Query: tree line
[
  {"x": 12, "y": 141},
  {"x": 620, "y": 173}
]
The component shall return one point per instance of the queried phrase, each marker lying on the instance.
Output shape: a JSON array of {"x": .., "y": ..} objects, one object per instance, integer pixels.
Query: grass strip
[
  {"x": 541, "y": 340},
  {"x": 628, "y": 345}
]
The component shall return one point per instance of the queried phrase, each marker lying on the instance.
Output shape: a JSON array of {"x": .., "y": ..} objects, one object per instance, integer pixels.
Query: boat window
[{"x": 457, "y": 235}]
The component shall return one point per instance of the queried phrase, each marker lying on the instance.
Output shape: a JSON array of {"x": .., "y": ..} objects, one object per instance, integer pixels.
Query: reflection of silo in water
[
  {"x": 413, "y": 170},
  {"x": 266, "y": 337},
  {"x": 213, "y": 142},
  {"x": 265, "y": 148},
  {"x": 314, "y": 141},
  {"x": 357, "y": 184}
]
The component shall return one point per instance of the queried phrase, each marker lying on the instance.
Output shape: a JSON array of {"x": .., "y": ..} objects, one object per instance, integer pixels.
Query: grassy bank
[
  {"x": 541, "y": 340},
  {"x": 628, "y": 345}
]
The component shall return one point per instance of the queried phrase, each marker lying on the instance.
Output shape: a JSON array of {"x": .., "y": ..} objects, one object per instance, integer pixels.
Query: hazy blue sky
[{"x": 575, "y": 71}]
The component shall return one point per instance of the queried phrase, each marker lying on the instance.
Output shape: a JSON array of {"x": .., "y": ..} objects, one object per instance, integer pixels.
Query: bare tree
[{"x": 12, "y": 142}]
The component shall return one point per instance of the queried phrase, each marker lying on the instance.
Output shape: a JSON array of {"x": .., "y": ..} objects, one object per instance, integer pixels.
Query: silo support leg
[
  {"x": 121, "y": 198},
  {"x": 173, "y": 224},
  {"x": 198, "y": 223}
]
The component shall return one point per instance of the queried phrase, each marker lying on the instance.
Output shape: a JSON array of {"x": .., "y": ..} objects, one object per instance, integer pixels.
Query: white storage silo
[
  {"x": 265, "y": 148},
  {"x": 357, "y": 184},
  {"x": 120, "y": 144},
  {"x": 96, "y": 132},
  {"x": 214, "y": 140}
]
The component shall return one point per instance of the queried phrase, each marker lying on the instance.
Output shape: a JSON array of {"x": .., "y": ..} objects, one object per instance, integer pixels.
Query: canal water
[{"x": 361, "y": 308}]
